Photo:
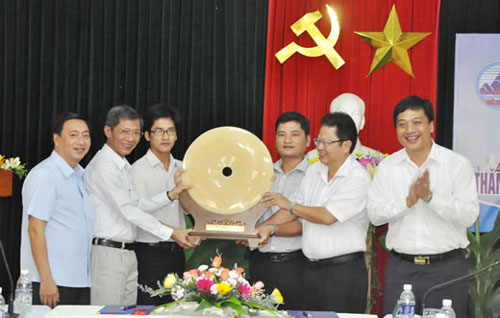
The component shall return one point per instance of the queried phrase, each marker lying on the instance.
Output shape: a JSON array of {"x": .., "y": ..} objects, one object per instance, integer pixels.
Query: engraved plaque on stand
[{"x": 209, "y": 225}]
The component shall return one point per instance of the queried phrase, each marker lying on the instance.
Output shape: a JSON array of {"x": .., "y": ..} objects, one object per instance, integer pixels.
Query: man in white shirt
[
  {"x": 331, "y": 201},
  {"x": 279, "y": 264},
  {"x": 155, "y": 171},
  {"x": 120, "y": 209},
  {"x": 427, "y": 195}
]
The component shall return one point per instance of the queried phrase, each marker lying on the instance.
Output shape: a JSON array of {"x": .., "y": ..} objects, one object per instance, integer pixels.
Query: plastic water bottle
[
  {"x": 24, "y": 293},
  {"x": 447, "y": 309},
  {"x": 406, "y": 303},
  {"x": 3, "y": 306}
]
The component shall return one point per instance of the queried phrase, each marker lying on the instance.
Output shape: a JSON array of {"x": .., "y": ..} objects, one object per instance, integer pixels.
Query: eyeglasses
[
  {"x": 160, "y": 132},
  {"x": 130, "y": 133},
  {"x": 325, "y": 143}
]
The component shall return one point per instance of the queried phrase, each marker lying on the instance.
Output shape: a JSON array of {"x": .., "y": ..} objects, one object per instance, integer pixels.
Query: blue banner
[{"x": 476, "y": 123}]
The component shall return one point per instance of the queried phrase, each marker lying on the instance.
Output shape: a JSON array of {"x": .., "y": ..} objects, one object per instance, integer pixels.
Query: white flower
[
  {"x": 213, "y": 289},
  {"x": 232, "y": 281},
  {"x": 233, "y": 274},
  {"x": 11, "y": 163},
  {"x": 177, "y": 292},
  {"x": 203, "y": 268}
]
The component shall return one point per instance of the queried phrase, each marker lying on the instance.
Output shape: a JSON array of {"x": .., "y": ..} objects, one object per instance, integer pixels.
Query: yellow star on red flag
[{"x": 392, "y": 44}]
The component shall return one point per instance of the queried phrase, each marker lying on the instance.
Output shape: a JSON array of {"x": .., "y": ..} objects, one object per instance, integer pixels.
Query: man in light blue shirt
[{"x": 58, "y": 219}]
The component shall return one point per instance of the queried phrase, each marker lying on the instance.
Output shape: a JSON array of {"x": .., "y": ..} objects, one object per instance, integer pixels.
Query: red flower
[
  {"x": 244, "y": 290},
  {"x": 204, "y": 285}
]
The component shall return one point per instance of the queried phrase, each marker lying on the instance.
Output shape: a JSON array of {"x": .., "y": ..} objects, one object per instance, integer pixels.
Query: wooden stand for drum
[{"x": 209, "y": 225}]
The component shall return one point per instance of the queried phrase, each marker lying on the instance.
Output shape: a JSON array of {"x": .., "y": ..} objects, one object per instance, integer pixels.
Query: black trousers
[
  {"x": 154, "y": 263},
  {"x": 67, "y": 295},
  {"x": 422, "y": 277},
  {"x": 286, "y": 275},
  {"x": 336, "y": 287}
]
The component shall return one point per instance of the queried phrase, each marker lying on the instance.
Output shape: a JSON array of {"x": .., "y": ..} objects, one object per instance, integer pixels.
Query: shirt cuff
[
  {"x": 165, "y": 232},
  {"x": 401, "y": 206},
  {"x": 161, "y": 198}
]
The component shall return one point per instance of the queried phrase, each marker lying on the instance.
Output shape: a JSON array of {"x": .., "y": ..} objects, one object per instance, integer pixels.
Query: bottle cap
[
  {"x": 446, "y": 302},
  {"x": 407, "y": 287},
  {"x": 24, "y": 272}
]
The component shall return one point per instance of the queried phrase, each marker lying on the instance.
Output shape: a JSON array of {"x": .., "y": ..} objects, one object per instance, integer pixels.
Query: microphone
[
  {"x": 10, "y": 313},
  {"x": 455, "y": 280}
]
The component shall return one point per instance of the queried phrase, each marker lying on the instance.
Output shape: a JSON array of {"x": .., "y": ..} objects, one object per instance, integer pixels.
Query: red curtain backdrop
[{"x": 308, "y": 85}]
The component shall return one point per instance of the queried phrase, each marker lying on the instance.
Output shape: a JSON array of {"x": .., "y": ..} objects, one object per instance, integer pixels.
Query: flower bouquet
[
  {"x": 218, "y": 287},
  {"x": 369, "y": 161},
  {"x": 14, "y": 165}
]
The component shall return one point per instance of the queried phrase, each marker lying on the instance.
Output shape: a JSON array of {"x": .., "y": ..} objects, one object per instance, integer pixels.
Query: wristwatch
[
  {"x": 292, "y": 205},
  {"x": 428, "y": 199}
]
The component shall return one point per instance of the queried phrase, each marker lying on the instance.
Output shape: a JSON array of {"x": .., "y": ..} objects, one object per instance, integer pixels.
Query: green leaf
[
  {"x": 480, "y": 253},
  {"x": 233, "y": 300},
  {"x": 381, "y": 240},
  {"x": 489, "y": 239},
  {"x": 203, "y": 305},
  {"x": 239, "y": 308},
  {"x": 255, "y": 305}
]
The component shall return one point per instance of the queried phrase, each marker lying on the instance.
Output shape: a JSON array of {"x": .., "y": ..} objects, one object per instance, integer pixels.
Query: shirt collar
[
  {"x": 65, "y": 168},
  {"x": 302, "y": 166},
  {"x": 344, "y": 168},
  {"x": 154, "y": 161},
  {"x": 433, "y": 155},
  {"x": 342, "y": 172},
  {"x": 119, "y": 161}
]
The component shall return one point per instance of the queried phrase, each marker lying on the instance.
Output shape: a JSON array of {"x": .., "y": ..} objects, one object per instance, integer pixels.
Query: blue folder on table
[
  {"x": 312, "y": 314},
  {"x": 138, "y": 310}
]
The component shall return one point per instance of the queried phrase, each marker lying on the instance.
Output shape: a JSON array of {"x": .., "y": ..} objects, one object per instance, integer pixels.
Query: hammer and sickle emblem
[{"x": 324, "y": 46}]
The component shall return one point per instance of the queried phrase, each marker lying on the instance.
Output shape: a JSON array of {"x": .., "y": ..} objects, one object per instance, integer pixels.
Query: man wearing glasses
[
  {"x": 155, "y": 171},
  {"x": 119, "y": 210},
  {"x": 331, "y": 201}
]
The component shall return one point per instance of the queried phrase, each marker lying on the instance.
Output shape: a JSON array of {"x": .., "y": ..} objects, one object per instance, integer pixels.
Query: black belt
[
  {"x": 427, "y": 259},
  {"x": 278, "y": 257},
  {"x": 337, "y": 260},
  {"x": 110, "y": 243},
  {"x": 165, "y": 246}
]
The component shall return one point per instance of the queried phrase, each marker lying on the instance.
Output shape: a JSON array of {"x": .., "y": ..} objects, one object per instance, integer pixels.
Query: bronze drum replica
[{"x": 229, "y": 169}]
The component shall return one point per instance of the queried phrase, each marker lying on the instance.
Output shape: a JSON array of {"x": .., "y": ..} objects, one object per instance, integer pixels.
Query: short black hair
[
  {"x": 122, "y": 112},
  {"x": 58, "y": 122},
  {"x": 346, "y": 128},
  {"x": 161, "y": 111},
  {"x": 413, "y": 102},
  {"x": 293, "y": 116}
]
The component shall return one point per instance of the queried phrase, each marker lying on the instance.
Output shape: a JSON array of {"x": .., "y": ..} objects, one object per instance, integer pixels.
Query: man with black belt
[
  {"x": 427, "y": 195},
  {"x": 331, "y": 201},
  {"x": 280, "y": 263},
  {"x": 155, "y": 171},
  {"x": 120, "y": 209}
]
